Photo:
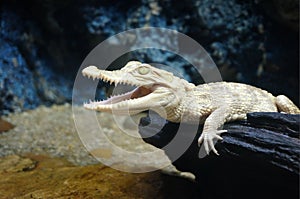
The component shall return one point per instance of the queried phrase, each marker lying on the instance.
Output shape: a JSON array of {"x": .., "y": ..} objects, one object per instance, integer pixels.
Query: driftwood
[{"x": 258, "y": 157}]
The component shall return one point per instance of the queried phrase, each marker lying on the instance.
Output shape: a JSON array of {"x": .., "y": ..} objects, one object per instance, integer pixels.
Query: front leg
[{"x": 210, "y": 133}]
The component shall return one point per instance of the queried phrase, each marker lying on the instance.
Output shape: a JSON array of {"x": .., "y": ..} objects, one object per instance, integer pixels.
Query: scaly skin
[{"x": 177, "y": 100}]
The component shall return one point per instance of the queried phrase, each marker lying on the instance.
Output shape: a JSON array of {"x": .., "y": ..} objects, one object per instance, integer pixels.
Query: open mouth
[{"x": 136, "y": 95}]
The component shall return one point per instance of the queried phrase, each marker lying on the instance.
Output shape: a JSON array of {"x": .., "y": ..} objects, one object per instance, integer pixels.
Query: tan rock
[{"x": 56, "y": 178}]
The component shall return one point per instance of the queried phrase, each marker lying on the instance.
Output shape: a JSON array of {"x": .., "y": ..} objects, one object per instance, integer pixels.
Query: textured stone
[
  {"x": 5, "y": 126},
  {"x": 49, "y": 40},
  {"x": 15, "y": 164},
  {"x": 261, "y": 154},
  {"x": 57, "y": 178}
]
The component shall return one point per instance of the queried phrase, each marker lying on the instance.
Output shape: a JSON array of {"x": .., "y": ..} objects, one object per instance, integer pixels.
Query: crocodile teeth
[{"x": 94, "y": 73}]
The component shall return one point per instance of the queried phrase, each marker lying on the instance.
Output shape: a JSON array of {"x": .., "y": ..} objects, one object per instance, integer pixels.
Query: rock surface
[
  {"x": 259, "y": 157},
  {"x": 5, "y": 126},
  {"x": 44, "y": 43},
  {"x": 37, "y": 176},
  {"x": 53, "y": 131},
  {"x": 43, "y": 157},
  {"x": 285, "y": 12}
]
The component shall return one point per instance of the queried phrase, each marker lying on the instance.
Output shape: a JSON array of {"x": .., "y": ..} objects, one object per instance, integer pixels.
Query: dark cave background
[{"x": 43, "y": 43}]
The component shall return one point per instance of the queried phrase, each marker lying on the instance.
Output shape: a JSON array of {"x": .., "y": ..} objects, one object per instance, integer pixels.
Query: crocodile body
[{"x": 177, "y": 100}]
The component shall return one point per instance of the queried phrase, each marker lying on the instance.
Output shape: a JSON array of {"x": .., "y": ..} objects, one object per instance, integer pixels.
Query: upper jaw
[{"x": 112, "y": 77}]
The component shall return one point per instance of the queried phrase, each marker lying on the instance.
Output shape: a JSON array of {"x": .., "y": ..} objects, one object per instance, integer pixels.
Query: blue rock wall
[{"x": 44, "y": 43}]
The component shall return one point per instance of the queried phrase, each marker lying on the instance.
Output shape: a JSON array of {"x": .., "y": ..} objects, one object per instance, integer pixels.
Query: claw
[
  {"x": 215, "y": 150},
  {"x": 209, "y": 139},
  {"x": 221, "y": 131},
  {"x": 211, "y": 144},
  {"x": 206, "y": 147},
  {"x": 200, "y": 140},
  {"x": 218, "y": 137}
]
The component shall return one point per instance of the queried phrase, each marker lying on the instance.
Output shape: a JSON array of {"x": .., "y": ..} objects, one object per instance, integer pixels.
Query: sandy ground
[
  {"x": 69, "y": 152},
  {"x": 82, "y": 137}
]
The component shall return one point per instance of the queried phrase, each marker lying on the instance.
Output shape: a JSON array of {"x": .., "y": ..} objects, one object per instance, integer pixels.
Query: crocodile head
[{"x": 156, "y": 89}]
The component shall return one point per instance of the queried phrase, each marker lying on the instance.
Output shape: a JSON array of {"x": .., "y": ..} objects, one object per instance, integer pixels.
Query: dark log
[{"x": 259, "y": 157}]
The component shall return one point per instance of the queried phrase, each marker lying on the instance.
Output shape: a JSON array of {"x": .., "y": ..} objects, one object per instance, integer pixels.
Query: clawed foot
[{"x": 209, "y": 138}]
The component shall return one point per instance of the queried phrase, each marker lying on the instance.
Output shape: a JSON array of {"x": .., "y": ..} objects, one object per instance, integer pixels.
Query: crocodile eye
[
  {"x": 143, "y": 70},
  {"x": 169, "y": 78}
]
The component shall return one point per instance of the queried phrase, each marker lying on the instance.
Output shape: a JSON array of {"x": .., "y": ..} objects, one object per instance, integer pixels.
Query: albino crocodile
[{"x": 177, "y": 100}]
